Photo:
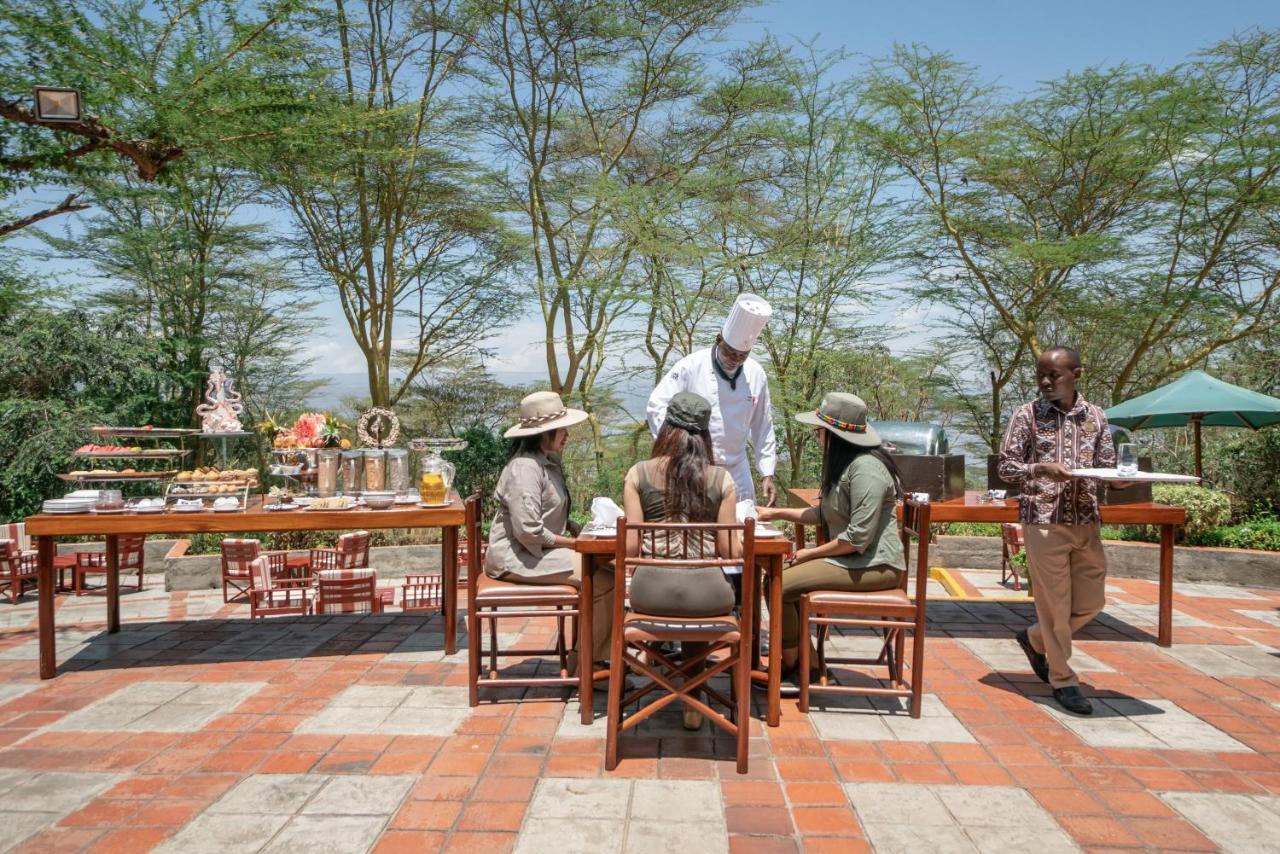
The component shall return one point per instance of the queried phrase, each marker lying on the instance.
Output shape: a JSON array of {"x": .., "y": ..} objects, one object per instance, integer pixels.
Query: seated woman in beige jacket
[{"x": 531, "y": 540}]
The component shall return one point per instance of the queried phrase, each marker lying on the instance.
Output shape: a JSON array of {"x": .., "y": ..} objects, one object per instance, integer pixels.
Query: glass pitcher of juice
[{"x": 435, "y": 477}]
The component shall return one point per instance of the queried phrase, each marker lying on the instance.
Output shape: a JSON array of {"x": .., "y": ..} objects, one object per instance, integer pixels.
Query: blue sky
[{"x": 1018, "y": 44}]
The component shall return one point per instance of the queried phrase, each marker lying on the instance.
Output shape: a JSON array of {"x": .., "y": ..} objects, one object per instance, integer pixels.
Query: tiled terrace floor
[{"x": 195, "y": 730}]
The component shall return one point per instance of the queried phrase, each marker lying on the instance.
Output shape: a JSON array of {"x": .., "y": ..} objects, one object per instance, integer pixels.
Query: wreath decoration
[{"x": 378, "y": 428}]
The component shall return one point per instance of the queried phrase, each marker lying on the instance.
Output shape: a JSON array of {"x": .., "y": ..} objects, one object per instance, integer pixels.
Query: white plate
[
  {"x": 187, "y": 508},
  {"x": 604, "y": 533},
  {"x": 441, "y": 504},
  {"x": 109, "y": 512},
  {"x": 1149, "y": 476},
  {"x": 768, "y": 531},
  {"x": 330, "y": 509},
  {"x": 217, "y": 509},
  {"x": 280, "y": 506},
  {"x": 406, "y": 499},
  {"x": 152, "y": 509}
]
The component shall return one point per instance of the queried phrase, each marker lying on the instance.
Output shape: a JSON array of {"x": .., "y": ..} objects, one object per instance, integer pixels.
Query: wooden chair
[
  {"x": 420, "y": 594},
  {"x": 19, "y": 569},
  {"x": 350, "y": 552},
  {"x": 490, "y": 600},
  {"x": 236, "y": 572},
  {"x": 648, "y": 632},
  {"x": 131, "y": 552},
  {"x": 1010, "y": 544},
  {"x": 349, "y": 591},
  {"x": 273, "y": 594},
  {"x": 891, "y": 612}
]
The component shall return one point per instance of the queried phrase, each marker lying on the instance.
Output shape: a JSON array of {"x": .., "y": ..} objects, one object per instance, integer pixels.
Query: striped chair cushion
[
  {"x": 16, "y": 531},
  {"x": 353, "y": 549},
  {"x": 346, "y": 591},
  {"x": 260, "y": 568},
  {"x": 238, "y": 554}
]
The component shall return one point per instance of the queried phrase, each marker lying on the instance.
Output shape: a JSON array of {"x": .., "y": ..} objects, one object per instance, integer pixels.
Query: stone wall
[{"x": 1241, "y": 567}]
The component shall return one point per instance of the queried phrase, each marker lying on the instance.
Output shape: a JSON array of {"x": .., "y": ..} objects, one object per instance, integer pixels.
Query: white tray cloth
[{"x": 1152, "y": 476}]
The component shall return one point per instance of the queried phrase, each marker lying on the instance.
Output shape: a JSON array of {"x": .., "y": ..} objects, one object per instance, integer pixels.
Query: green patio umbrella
[{"x": 1197, "y": 398}]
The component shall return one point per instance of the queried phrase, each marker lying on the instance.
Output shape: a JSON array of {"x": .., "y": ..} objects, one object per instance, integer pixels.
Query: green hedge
[{"x": 1207, "y": 509}]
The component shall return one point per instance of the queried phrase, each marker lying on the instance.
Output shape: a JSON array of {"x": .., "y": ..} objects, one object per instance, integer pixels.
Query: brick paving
[{"x": 194, "y": 730}]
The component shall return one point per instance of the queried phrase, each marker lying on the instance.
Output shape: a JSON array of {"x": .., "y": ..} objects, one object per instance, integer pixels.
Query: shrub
[
  {"x": 1261, "y": 534},
  {"x": 1206, "y": 508},
  {"x": 970, "y": 529}
]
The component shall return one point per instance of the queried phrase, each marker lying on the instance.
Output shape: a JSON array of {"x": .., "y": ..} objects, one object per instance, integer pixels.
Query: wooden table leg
[
  {"x": 113, "y": 583},
  {"x": 774, "y": 716},
  {"x": 1166, "y": 586},
  {"x": 44, "y": 609},
  {"x": 586, "y": 645},
  {"x": 799, "y": 537},
  {"x": 449, "y": 598}
]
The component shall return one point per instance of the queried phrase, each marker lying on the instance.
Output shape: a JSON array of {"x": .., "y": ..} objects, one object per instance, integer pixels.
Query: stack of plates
[{"x": 69, "y": 505}]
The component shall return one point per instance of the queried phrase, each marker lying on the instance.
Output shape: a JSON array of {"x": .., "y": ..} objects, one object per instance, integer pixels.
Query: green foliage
[
  {"x": 479, "y": 464},
  {"x": 1255, "y": 534},
  {"x": 970, "y": 529},
  {"x": 1206, "y": 508},
  {"x": 60, "y": 373},
  {"x": 1247, "y": 466},
  {"x": 205, "y": 544}
]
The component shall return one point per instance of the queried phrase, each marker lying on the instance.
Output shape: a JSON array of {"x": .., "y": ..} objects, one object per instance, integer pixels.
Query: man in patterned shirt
[{"x": 1046, "y": 439}]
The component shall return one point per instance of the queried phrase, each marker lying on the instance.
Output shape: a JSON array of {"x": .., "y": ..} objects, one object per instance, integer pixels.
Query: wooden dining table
[
  {"x": 46, "y": 528},
  {"x": 771, "y": 551},
  {"x": 972, "y": 508}
]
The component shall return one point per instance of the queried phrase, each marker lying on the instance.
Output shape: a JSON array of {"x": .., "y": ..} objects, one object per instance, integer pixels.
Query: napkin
[
  {"x": 605, "y": 514},
  {"x": 746, "y": 509}
]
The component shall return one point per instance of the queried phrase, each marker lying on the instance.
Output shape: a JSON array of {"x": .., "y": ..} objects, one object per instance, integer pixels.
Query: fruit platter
[{"x": 146, "y": 431}]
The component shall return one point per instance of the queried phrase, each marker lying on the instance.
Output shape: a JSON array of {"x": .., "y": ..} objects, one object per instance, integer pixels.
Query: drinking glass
[{"x": 1127, "y": 458}]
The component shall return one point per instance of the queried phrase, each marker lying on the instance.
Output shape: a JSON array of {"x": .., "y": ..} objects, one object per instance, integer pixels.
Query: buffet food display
[{"x": 316, "y": 464}]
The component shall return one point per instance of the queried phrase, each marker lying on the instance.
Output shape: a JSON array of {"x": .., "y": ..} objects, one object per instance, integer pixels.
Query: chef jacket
[{"x": 737, "y": 414}]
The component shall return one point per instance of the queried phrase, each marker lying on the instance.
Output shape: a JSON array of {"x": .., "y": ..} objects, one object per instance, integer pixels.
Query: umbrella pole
[{"x": 1195, "y": 422}]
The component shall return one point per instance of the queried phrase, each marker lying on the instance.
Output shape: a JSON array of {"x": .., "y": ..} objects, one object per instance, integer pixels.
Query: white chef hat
[{"x": 747, "y": 317}]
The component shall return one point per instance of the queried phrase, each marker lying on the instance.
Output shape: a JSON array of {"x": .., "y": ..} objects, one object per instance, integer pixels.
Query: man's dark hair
[{"x": 1073, "y": 355}]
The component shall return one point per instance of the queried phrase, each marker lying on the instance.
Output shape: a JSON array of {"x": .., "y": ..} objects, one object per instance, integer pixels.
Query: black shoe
[
  {"x": 1072, "y": 700},
  {"x": 1039, "y": 664}
]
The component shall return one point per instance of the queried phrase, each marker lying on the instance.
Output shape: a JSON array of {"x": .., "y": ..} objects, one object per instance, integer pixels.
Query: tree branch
[{"x": 68, "y": 205}]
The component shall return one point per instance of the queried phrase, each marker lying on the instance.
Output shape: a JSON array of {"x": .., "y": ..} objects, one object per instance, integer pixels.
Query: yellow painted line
[
  {"x": 953, "y": 588},
  {"x": 956, "y": 592}
]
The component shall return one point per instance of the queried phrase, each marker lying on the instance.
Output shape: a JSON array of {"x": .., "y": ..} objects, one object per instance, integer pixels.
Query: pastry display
[{"x": 210, "y": 480}]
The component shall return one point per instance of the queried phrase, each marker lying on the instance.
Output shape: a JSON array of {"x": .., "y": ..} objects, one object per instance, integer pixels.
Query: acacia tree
[
  {"x": 579, "y": 91},
  {"x": 390, "y": 215},
  {"x": 178, "y": 259},
  {"x": 1118, "y": 199},
  {"x": 820, "y": 229},
  {"x": 158, "y": 81}
]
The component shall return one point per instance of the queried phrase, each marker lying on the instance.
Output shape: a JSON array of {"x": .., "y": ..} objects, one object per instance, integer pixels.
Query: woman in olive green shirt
[{"x": 860, "y": 486}]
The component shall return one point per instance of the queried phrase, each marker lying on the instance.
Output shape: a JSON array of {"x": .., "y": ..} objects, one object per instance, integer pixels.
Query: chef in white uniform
[{"x": 735, "y": 384}]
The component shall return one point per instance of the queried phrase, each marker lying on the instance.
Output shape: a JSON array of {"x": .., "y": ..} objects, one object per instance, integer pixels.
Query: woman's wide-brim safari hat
[
  {"x": 544, "y": 411},
  {"x": 846, "y": 416}
]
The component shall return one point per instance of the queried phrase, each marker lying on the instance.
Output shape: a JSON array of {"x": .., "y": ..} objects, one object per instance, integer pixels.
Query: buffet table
[
  {"x": 770, "y": 552},
  {"x": 45, "y": 528},
  {"x": 970, "y": 509}
]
